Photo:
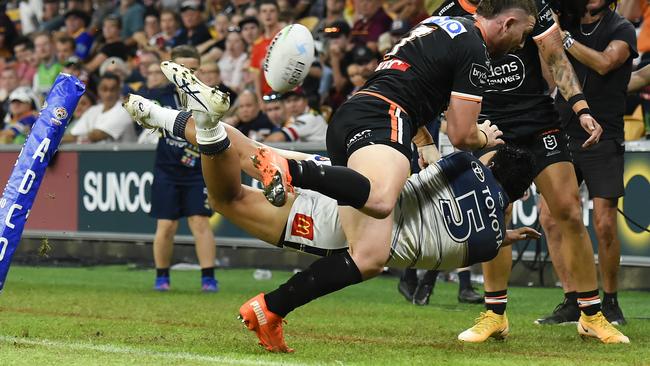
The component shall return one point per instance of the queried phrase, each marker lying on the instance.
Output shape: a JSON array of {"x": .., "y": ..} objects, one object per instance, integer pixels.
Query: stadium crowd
[{"x": 115, "y": 48}]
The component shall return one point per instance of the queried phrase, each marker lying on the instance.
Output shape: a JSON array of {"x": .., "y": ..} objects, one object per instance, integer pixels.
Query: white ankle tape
[{"x": 211, "y": 135}]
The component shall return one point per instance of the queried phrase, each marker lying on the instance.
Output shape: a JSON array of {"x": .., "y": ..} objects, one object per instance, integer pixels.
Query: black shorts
[
  {"x": 368, "y": 120},
  {"x": 600, "y": 166},
  {"x": 171, "y": 201},
  {"x": 548, "y": 147}
]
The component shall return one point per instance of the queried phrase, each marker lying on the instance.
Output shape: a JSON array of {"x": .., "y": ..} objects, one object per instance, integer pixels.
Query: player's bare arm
[{"x": 552, "y": 52}]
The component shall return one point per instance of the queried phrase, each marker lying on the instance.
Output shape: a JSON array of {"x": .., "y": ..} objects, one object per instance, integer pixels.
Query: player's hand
[
  {"x": 521, "y": 233},
  {"x": 492, "y": 132},
  {"x": 593, "y": 129},
  {"x": 429, "y": 154}
]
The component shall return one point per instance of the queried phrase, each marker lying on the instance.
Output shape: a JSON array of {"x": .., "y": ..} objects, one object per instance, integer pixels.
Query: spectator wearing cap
[
  {"x": 305, "y": 124},
  {"x": 132, "y": 17},
  {"x": 269, "y": 12},
  {"x": 26, "y": 63},
  {"x": 337, "y": 60},
  {"x": 398, "y": 29},
  {"x": 23, "y": 107},
  {"x": 210, "y": 74},
  {"x": 52, "y": 19},
  {"x": 249, "y": 119},
  {"x": 120, "y": 68},
  {"x": 113, "y": 47},
  {"x": 371, "y": 23},
  {"x": 107, "y": 121},
  {"x": 233, "y": 62},
  {"x": 333, "y": 13},
  {"x": 250, "y": 30},
  {"x": 8, "y": 83},
  {"x": 193, "y": 31},
  {"x": 76, "y": 22},
  {"x": 48, "y": 65},
  {"x": 274, "y": 109},
  {"x": 366, "y": 58}
]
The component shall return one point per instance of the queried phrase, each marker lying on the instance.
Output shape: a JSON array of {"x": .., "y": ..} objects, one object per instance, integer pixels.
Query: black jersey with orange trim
[
  {"x": 516, "y": 95},
  {"x": 441, "y": 57},
  {"x": 455, "y": 8}
]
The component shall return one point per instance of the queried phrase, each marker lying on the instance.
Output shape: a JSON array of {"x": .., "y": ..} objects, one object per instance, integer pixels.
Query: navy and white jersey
[
  {"x": 176, "y": 159},
  {"x": 449, "y": 215},
  {"x": 439, "y": 58}
]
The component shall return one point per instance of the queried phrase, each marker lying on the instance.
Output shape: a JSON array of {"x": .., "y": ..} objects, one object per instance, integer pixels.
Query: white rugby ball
[{"x": 289, "y": 58}]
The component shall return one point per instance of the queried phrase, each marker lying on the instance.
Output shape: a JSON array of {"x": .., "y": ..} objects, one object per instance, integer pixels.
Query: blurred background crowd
[{"x": 115, "y": 47}]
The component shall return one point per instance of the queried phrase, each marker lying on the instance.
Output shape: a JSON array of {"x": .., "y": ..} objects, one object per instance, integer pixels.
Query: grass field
[{"x": 110, "y": 316}]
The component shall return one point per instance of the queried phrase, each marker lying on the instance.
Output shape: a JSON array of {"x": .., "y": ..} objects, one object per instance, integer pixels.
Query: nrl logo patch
[
  {"x": 60, "y": 113},
  {"x": 550, "y": 143}
]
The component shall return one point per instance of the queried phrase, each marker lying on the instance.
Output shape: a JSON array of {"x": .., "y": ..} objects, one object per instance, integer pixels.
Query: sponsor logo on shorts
[
  {"x": 478, "y": 171},
  {"x": 303, "y": 226},
  {"x": 393, "y": 64},
  {"x": 359, "y": 136}
]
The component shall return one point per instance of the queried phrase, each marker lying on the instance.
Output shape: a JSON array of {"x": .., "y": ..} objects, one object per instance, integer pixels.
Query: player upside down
[{"x": 449, "y": 215}]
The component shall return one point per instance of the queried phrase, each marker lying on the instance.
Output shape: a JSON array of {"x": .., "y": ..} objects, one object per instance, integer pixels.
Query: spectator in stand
[
  {"x": 8, "y": 36},
  {"x": 194, "y": 31},
  {"x": 269, "y": 12},
  {"x": 74, "y": 66},
  {"x": 249, "y": 119},
  {"x": 250, "y": 31},
  {"x": 76, "y": 22},
  {"x": 338, "y": 58},
  {"x": 334, "y": 13},
  {"x": 117, "y": 66},
  {"x": 169, "y": 29},
  {"x": 145, "y": 59},
  {"x": 132, "y": 19},
  {"x": 178, "y": 191},
  {"x": 26, "y": 64},
  {"x": 106, "y": 121},
  {"x": 48, "y": 65},
  {"x": 410, "y": 11},
  {"x": 210, "y": 75},
  {"x": 64, "y": 46},
  {"x": 8, "y": 83},
  {"x": 87, "y": 100},
  {"x": 274, "y": 109},
  {"x": 367, "y": 59},
  {"x": 52, "y": 19},
  {"x": 371, "y": 22},
  {"x": 23, "y": 108},
  {"x": 397, "y": 30},
  {"x": 212, "y": 49},
  {"x": 305, "y": 124},
  {"x": 356, "y": 78},
  {"x": 233, "y": 62},
  {"x": 113, "y": 46}
]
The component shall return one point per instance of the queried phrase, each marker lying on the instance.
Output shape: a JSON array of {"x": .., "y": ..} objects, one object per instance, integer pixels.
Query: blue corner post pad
[{"x": 41, "y": 145}]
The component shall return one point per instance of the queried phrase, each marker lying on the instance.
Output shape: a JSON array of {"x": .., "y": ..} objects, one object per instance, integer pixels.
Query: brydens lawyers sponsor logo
[
  {"x": 507, "y": 73},
  {"x": 478, "y": 75}
]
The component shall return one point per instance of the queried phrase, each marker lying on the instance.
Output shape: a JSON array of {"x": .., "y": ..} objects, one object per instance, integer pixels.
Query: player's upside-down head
[{"x": 514, "y": 168}]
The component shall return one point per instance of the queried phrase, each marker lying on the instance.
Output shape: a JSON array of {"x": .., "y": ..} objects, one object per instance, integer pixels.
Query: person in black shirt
[
  {"x": 441, "y": 63},
  {"x": 601, "y": 49},
  {"x": 194, "y": 31},
  {"x": 113, "y": 46},
  {"x": 517, "y": 100}
]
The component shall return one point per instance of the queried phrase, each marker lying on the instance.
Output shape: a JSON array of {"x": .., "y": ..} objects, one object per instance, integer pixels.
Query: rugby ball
[{"x": 289, "y": 58}]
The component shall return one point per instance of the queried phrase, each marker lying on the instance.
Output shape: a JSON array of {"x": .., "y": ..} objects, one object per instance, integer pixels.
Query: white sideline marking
[{"x": 111, "y": 348}]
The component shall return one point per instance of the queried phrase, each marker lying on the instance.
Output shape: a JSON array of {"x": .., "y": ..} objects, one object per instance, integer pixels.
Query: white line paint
[{"x": 118, "y": 349}]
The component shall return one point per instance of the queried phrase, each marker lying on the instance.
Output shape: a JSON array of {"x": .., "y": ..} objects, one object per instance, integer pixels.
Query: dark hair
[
  {"x": 268, "y": 2},
  {"x": 111, "y": 76},
  {"x": 492, "y": 8},
  {"x": 514, "y": 168},
  {"x": 185, "y": 50},
  {"x": 570, "y": 12},
  {"x": 114, "y": 18},
  {"x": 66, "y": 39},
  {"x": 25, "y": 41}
]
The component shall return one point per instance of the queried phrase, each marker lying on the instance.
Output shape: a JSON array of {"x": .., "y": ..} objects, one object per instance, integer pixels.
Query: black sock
[
  {"x": 410, "y": 276},
  {"x": 207, "y": 272},
  {"x": 345, "y": 185},
  {"x": 324, "y": 276},
  {"x": 571, "y": 298},
  {"x": 162, "y": 272},
  {"x": 589, "y": 302},
  {"x": 496, "y": 301},
  {"x": 610, "y": 298},
  {"x": 464, "y": 279},
  {"x": 429, "y": 278},
  {"x": 215, "y": 148},
  {"x": 179, "y": 124}
]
